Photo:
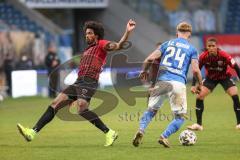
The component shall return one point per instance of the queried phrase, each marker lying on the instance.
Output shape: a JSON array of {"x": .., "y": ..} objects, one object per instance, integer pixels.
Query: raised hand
[{"x": 130, "y": 25}]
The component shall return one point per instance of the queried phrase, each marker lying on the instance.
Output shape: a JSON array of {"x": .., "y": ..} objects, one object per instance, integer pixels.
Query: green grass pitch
[{"x": 62, "y": 140}]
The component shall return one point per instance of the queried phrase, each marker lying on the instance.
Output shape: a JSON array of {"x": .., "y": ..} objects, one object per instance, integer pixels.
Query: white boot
[{"x": 196, "y": 127}]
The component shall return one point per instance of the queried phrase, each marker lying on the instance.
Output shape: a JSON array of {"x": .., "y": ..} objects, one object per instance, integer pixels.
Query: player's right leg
[
  {"x": 60, "y": 101},
  {"x": 154, "y": 103},
  {"x": 93, "y": 118},
  {"x": 144, "y": 122}
]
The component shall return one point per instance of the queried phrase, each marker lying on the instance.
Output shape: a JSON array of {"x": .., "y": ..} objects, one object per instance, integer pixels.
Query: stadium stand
[
  {"x": 232, "y": 24},
  {"x": 13, "y": 17},
  {"x": 19, "y": 17},
  {"x": 202, "y": 14}
]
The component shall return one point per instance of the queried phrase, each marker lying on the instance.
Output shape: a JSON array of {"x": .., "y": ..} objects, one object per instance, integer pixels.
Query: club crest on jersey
[
  {"x": 84, "y": 91},
  {"x": 220, "y": 63}
]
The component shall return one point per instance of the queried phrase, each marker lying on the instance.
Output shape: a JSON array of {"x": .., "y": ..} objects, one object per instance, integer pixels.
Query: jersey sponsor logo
[
  {"x": 177, "y": 71},
  {"x": 216, "y": 68}
]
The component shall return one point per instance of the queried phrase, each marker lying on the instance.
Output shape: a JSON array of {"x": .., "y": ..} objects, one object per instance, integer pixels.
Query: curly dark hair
[{"x": 96, "y": 27}]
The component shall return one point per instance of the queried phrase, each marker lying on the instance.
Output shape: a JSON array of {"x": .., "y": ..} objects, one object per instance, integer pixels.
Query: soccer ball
[{"x": 187, "y": 138}]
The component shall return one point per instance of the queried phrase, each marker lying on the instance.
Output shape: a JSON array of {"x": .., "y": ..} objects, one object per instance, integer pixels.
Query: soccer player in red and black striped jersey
[
  {"x": 217, "y": 65},
  {"x": 91, "y": 64},
  {"x": 153, "y": 69}
]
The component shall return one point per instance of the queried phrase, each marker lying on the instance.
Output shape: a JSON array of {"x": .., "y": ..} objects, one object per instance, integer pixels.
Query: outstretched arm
[{"x": 113, "y": 46}]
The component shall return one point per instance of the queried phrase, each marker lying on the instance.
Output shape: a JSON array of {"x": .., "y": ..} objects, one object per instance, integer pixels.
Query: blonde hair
[{"x": 184, "y": 27}]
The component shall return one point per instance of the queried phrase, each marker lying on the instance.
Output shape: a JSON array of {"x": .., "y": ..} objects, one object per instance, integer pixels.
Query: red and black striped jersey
[
  {"x": 153, "y": 70},
  {"x": 216, "y": 67},
  {"x": 93, "y": 60}
]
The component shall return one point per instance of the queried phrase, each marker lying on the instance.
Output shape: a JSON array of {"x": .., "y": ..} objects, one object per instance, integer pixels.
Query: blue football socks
[
  {"x": 173, "y": 127},
  {"x": 146, "y": 119}
]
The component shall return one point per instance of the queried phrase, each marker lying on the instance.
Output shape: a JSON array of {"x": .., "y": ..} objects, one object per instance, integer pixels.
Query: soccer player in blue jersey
[{"x": 176, "y": 56}]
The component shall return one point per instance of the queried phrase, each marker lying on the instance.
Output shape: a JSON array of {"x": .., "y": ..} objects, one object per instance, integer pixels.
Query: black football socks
[
  {"x": 46, "y": 118},
  {"x": 88, "y": 115},
  {"x": 94, "y": 119},
  {"x": 199, "y": 110},
  {"x": 236, "y": 106}
]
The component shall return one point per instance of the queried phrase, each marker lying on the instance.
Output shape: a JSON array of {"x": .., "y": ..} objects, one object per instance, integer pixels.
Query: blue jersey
[{"x": 175, "y": 60}]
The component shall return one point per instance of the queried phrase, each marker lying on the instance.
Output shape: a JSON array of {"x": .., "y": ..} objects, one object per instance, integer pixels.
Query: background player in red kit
[
  {"x": 216, "y": 63},
  {"x": 153, "y": 69},
  {"x": 83, "y": 89}
]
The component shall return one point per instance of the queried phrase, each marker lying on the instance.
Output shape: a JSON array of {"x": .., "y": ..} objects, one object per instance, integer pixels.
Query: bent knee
[
  {"x": 201, "y": 96},
  {"x": 232, "y": 91},
  {"x": 82, "y": 105},
  {"x": 60, "y": 98},
  {"x": 153, "y": 110},
  {"x": 55, "y": 103}
]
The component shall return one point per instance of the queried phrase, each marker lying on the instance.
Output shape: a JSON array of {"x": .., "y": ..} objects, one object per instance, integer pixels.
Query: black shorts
[
  {"x": 83, "y": 88},
  {"x": 211, "y": 84}
]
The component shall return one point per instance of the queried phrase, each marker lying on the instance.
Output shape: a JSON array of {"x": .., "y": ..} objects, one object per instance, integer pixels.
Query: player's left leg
[
  {"x": 144, "y": 122},
  {"x": 232, "y": 91},
  {"x": 93, "y": 118},
  {"x": 86, "y": 89},
  {"x": 178, "y": 102},
  {"x": 155, "y": 101},
  {"x": 207, "y": 88}
]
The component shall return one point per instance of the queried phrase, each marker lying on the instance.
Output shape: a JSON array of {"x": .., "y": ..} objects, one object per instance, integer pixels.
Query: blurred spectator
[
  {"x": 202, "y": 14},
  {"x": 204, "y": 20},
  {"x": 157, "y": 12},
  {"x": 8, "y": 68},
  {"x": 52, "y": 62},
  {"x": 25, "y": 63},
  {"x": 7, "y": 47},
  {"x": 7, "y": 52},
  {"x": 3, "y": 26},
  {"x": 193, "y": 4},
  {"x": 144, "y": 6},
  {"x": 171, "y": 5},
  {"x": 176, "y": 17},
  {"x": 39, "y": 48},
  {"x": 210, "y": 21}
]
